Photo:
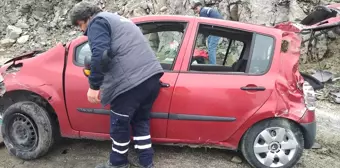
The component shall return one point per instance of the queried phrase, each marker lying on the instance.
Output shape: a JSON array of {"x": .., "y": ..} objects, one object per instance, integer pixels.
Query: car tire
[
  {"x": 262, "y": 145},
  {"x": 28, "y": 130}
]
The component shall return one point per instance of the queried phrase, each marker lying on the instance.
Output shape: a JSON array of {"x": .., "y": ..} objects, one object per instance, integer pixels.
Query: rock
[
  {"x": 163, "y": 9},
  {"x": 150, "y": 6},
  {"x": 64, "y": 12},
  {"x": 38, "y": 15},
  {"x": 270, "y": 12},
  {"x": 162, "y": 2},
  {"x": 50, "y": 18},
  {"x": 316, "y": 146},
  {"x": 333, "y": 34},
  {"x": 7, "y": 42},
  {"x": 335, "y": 96},
  {"x": 236, "y": 159},
  {"x": 295, "y": 12},
  {"x": 23, "y": 39},
  {"x": 22, "y": 24},
  {"x": 43, "y": 43},
  {"x": 234, "y": 12},
  {"x": 13, "y": 32},
  {"x": 138, "y": 12},
  {"x": 144, "y": 5},
  {"x": 41, "y": 30},
  {"x": 72, "y": 33}
]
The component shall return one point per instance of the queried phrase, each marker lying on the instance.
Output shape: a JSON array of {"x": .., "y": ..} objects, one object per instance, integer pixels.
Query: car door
[
  {"x": 211, "y": 101},
  {"x": 91, "y": 118}
]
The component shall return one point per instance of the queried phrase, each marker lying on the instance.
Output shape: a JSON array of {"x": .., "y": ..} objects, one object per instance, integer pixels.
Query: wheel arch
[
  {"x": 15, "y": 96},
  {"x": 268, "y": 119}
]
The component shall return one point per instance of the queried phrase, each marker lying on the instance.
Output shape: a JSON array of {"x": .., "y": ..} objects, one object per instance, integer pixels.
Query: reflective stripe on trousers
[
  {"x": 132, "y": 110},
  {"x": 142, "y": 142}
]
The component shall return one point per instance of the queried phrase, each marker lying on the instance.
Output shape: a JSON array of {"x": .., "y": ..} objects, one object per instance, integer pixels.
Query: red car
[{"x": 254, "y": 100}]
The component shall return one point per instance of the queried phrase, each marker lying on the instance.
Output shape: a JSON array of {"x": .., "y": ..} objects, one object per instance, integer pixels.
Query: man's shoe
[{"x": 109, "y": 165}]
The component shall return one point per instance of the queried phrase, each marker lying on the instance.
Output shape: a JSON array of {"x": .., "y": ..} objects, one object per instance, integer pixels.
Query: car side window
[
  {"x": 165, "y": 38},
  {"x": 82, "y": 51},
  {"x": 261, "y": 55},
  {"x": 227, "y": 51},
  {"x": 224, "y": 50}
]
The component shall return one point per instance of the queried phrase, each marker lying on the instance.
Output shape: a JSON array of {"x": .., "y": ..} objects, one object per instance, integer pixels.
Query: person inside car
[{"x": 212, "y": 40}]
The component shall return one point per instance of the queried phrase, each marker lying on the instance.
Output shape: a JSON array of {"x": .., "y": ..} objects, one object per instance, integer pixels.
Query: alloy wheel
[{"x": 275, "y": 146}]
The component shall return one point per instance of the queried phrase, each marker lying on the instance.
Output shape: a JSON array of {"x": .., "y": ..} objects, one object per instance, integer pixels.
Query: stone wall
[{"x": 40, "y": 24}]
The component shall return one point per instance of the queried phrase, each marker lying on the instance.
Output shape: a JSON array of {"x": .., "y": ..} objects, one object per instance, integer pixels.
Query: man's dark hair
[
  {"x": 196, "y": 4},
  {"x": 82, "y": 11}
]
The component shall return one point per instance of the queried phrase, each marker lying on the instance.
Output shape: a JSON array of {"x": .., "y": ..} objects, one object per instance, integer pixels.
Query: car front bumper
[{"x": 309, "y": 132}]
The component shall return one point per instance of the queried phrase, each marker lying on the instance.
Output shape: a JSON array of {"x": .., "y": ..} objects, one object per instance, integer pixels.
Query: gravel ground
[{"x": 86, "y": 153}]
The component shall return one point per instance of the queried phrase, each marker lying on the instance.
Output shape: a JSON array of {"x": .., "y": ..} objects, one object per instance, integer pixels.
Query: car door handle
[
  {"x": 253, "y": 88},
  {"x": 166, "y": 85}
]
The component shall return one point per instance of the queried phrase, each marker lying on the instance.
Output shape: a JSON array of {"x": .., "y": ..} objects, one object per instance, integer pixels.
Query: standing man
[
  {"x": 212, "y": 40},
  {"x": 130, "y": 83}
]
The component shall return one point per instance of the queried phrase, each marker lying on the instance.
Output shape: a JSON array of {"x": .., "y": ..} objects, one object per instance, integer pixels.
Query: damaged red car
[{"x": 253, "y": 100}]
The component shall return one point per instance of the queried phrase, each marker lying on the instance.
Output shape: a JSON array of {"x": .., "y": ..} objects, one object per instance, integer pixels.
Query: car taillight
[{"x": 309, "y": 96}]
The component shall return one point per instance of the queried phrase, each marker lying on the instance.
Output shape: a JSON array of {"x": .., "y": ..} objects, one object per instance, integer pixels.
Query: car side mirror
[{"x": 87, "y": 65}]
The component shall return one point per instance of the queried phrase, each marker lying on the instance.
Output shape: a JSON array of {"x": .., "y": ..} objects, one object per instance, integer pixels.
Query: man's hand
[{"x": 93, "y": 96}]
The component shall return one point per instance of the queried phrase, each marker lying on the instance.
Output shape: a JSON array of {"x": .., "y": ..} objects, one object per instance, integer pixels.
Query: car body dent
[
  {"x": 48, "y": 87},
  {"x": 287, "y": 98},
  {"x": 264, "y": 113},
  {"x": 290, "y": 81}
]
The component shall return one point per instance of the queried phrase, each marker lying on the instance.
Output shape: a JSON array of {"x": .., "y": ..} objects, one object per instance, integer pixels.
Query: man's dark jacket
[{"x": 133, "y": 60}]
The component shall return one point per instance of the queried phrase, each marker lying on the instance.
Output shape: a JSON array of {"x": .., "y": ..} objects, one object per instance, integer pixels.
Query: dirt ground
[{"x": 86, "y": 153}]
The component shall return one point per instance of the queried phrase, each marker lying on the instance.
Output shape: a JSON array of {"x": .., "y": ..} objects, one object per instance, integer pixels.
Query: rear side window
[
  {"x": 261, "y": 55},
  {"x": 232, "y": 51}
]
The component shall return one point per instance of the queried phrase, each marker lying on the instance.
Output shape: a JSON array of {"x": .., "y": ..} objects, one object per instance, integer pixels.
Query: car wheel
[
  {"x": 273, "y": 143},
  {"x": 27, "y": 130}
]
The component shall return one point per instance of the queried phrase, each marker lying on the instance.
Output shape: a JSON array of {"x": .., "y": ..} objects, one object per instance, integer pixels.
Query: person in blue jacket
[
  {"x": 126, "y": 73},
  {"x": 212, "y": 40}
]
